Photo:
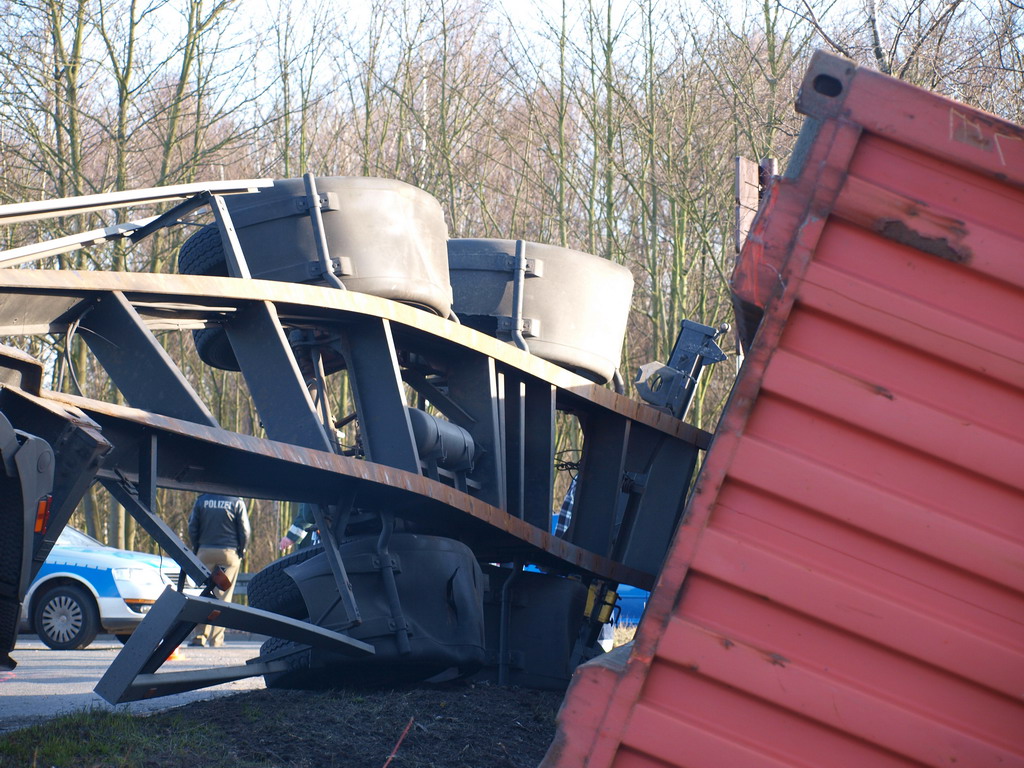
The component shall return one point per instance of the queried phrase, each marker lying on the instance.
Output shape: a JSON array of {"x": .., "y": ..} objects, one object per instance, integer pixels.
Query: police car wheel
[{"x": 66, "y": 618}]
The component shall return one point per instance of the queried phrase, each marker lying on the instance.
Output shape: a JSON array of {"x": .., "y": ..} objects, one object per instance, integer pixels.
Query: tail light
[{"x": 43, "y": 514}]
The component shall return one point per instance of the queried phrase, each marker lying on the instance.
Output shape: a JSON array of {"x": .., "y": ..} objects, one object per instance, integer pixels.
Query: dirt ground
[{"x": 459, "y": 725}]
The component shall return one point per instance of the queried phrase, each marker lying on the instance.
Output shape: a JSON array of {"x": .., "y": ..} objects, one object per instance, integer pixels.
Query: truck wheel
[
  {"x": 203, "y": 254},
  {"x": 274, "y": 590},
  {"x": 300, "y": 676},
  {"x": 66, "y": 617}
]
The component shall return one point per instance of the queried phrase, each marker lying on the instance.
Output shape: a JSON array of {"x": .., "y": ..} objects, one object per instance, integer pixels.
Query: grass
[
  {"x": 457, "y": 726},
  {"x": 103, "y": 738}
]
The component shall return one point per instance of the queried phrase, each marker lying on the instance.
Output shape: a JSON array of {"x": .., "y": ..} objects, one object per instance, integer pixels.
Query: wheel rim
[{"x": 62, "y": 618}]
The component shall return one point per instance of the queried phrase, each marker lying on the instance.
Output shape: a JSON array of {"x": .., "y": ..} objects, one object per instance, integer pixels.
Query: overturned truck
[
  {"x": 843, "y": 584},
  {"x": 437, "y": 555}
]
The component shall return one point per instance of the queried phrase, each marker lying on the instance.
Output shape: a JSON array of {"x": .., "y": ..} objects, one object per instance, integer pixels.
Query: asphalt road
[{"x": 49, "y": 683}]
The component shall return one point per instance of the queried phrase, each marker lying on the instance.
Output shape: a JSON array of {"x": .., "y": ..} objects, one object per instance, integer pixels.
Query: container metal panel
[{"x": 847, "y": 585}]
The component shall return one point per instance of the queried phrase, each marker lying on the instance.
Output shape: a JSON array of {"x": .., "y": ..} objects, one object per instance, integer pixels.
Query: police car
[{"x": 85, "y": 587}]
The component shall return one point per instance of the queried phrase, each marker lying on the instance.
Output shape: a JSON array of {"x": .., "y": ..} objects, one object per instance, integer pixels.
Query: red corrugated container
[{"x": 846, "y": 587}]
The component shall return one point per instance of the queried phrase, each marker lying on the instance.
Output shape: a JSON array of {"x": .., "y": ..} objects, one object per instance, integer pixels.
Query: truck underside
[{"x": 428, "y": 523}]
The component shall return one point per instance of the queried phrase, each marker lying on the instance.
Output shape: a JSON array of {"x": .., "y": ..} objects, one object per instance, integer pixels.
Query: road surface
[{"x": 49, "y": 683}]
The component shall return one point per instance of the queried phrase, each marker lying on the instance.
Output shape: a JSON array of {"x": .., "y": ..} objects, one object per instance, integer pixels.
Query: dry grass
[{"x": 624, "y": 633}]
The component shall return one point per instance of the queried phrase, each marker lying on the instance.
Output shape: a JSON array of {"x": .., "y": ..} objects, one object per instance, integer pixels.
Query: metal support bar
[
  {"x": 319, "y": 234},
  {"x": 518, "y": 278},
  {"x": 146, "y": 686},
  {"x": 387, "y": 574},
  {"x": 171, "y": 216},
  {"x": 376, "y": 381},
  {"x": 437, "y": 398},
  {"x": 130, "y": 676},
  {"x": 146, "y": 487},
  {"x": 473, "y": 385},
  {"x": 162, "y": 534},
  {"x": 275, "y": 383},
  {"x": 237, "y": 266},
  {"x": 599, "y": 489},
  {"x": 329, "y": 534},
  {"x": 514, "y": 420},
  {"x": 664, "y": 467},
  {"x": 71, "y": 206},
  {"x": 538, "y": 452},
  {"x": 505, "y": 624},
  {"x": 59, "y": 245},
  {"x": 326, "y": 417},
  {"x": 139, "y": 366}
]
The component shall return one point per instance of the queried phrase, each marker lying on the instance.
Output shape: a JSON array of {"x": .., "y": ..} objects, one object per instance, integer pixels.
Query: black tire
[
  {"x": 274, "y": 590},
  {"x": 12, "y": 556},
  {"x": 66, "y": 617},
  {"x": 203, "y": 254},
  {"x": 300, "y": 676}
]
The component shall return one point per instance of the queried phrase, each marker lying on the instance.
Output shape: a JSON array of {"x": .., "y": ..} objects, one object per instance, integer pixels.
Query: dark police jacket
[{"x": 220, "y": 522}]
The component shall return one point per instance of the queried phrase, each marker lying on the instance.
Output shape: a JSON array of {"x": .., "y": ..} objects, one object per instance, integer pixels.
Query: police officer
[
  {"x": 302, "y": 531},
  {"x": 218, "y": 529}
]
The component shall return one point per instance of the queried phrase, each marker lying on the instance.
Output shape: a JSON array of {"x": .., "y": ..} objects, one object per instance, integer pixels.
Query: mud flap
[
  {"x": 439, "y": 626},
  {"x": 544, "y": 623}
]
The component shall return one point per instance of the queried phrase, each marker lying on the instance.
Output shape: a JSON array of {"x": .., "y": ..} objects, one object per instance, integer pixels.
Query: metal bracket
[
  {"x": 305, "y": 271},
  {"x": 319, "y": 233},
  {"x": 276, "y": 208},
  {"x": 530, "y": 326},
  {"x": 330, "y": 534},
  {"x": 672, "y": 387},
  {"x": 387, "y": 574},
  {"x": 493, "y": 262},
  {"x": 13, "y": 256},
  {"x": 437, "y": 397},
  {"x": 138, "y": 364},
  {"x": 131, "y": 677},
  {"x": 237, "y": 266}
]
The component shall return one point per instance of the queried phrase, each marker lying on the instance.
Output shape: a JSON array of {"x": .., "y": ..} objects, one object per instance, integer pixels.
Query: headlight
[{"x": 136, "y": 575}]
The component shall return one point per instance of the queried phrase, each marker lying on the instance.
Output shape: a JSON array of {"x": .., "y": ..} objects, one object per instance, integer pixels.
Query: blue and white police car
[{"x": 85, "y": 587}]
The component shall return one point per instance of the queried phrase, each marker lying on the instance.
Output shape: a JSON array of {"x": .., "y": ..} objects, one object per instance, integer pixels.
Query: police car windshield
[{"x": 72, "y": 537}]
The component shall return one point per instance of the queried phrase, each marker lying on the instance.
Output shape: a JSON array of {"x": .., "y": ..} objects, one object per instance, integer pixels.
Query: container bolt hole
[{"x": 827, "y": 85}]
